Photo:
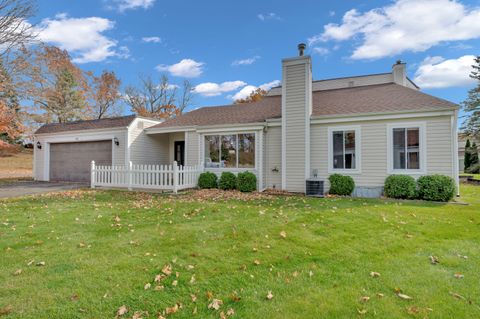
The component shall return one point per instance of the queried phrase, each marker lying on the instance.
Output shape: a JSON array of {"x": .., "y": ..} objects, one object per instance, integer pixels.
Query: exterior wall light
[
  {"x": 39, "y": 145},
  {"x": 116, "y": 141}
]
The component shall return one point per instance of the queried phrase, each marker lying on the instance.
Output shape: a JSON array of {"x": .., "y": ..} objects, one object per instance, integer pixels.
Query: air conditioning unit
[{"x": 314, "y": 187}]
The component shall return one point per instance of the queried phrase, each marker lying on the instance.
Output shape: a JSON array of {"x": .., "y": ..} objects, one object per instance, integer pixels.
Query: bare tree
[
  {"x": 158, "y": 100},
  {"x": 15, "y": 30},
  {"x": 105, "y": 95}
]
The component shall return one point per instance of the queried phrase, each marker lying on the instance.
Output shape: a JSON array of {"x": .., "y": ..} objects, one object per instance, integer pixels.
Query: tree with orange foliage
[
  {"x": 255, "y": 96},
  {"x": 9, "y": 127},
  {"x": 105, "y": 95},
  {"x": 57, "y": 87},
  {"x": 158, "y": 100}
]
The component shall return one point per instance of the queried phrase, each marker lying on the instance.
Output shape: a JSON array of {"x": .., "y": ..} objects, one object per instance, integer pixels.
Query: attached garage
[{"x": 71, "y": 161}]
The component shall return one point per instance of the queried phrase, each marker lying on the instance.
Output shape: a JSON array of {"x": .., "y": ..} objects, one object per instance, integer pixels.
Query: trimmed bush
[
  {"x": 227, "y": 181},
  {"x": 436, "y": 188},
  {"x": 246, "y": 182},
  {"x": 400, "y": 186},
  {"x": 341, "y": 184},
  {"x": 207, "y": 180}
]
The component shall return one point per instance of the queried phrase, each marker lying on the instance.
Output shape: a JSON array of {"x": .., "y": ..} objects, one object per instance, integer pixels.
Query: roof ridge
[{"x": 91, "y": 120}]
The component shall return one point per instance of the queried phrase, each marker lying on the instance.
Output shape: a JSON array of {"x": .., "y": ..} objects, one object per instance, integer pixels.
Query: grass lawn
[
  {"x": 103, "y": 249},
  {"x": 18, "y": 166},
  {"x": 476, "y": 176}
]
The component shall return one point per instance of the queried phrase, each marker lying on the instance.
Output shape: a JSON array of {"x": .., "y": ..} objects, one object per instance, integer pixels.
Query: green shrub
[
  {"x": 400, "y": 186},
  {"x": 436, "y": 187},
  {"x": 207, "y": 180},
  {"x": 341, "y": 184},
  {"x": 227, "y": 181},
  {"x": 474, "y": 169},
  {"x": 246, "y": 182}
]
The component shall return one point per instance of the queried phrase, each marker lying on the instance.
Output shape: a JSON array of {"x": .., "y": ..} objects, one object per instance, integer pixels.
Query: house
[{"x": 367, "y": 127}]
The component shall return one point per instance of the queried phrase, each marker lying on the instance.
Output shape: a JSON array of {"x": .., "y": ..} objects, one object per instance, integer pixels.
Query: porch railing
[{"x": 162, "y": 177}]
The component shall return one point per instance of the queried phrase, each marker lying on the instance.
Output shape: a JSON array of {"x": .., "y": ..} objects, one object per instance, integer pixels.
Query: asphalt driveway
[{"x": 22, "y": 188}]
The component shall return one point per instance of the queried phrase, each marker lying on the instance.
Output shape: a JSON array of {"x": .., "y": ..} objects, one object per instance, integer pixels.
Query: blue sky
[{"x": 226, "y": 48}]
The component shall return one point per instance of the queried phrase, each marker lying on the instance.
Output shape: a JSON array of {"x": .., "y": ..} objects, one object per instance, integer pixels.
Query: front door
[{"x": 180, "y": 152}]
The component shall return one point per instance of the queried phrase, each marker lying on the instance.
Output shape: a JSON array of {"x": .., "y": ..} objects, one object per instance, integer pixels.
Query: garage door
[{"x": 71, "y": 161}]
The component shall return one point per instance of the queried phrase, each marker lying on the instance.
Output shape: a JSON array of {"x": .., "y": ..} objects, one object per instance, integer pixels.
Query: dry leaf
[
  {"x": 230, "y": 312},
  {"x": 374, "y": 274},
  {"x": 380, "y": 295},
  {"x": 137, "y": 315},
  {"x": 362, "y": 311},
  {"x": 170, "y": 310},
  {"x": 194, "y": 312},
  {"x": 283, "y": 234},
  {"x": 413, "y": 310},
  {"x": 17, "y": 272},
  {"x": 256, "y": 262},
  {"x": 222, "y": 315},
  {"x": 41, "y": 263},
  {"x": 174, "y": 283},
  {"x": 81, "y": 245},
  {"x": 147, "y": 286},
  {"x": 158, "y": 287},
  {"x": 160, "y": 316},
  {"x": 364, "y": 298},
  {"x": 167, "y": 270},
  {"x": 116, "y": 219},
  {"x": 458, "y": 296},
  {"x": 215, "y": 304},
  {"x": 6, "y": 310},
  {"x": 194, "y": 297},
  {"x": 159, "y": 277},
  {"x": 122, "y": 310},
  {"x": 458, "y": 275},
  {"x": 434, "y": 260},
  {"x": 403, "y": 296},
  {"x": 209, "y": 295},
  {"x": 192, "y": 280},
  {"x": 74, "y": 297},
  {"x": 269, "y": 295}
]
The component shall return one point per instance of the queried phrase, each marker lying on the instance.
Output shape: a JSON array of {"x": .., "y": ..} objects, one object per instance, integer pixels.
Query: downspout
[{"x": 454, "y": 127}]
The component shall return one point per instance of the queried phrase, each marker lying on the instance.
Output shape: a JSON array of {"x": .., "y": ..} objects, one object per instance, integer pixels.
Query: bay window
[{"x": 230, "y": 151}]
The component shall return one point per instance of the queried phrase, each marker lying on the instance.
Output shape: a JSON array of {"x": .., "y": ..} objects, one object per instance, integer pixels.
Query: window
[
  {"x": 230, "y": 151},
  {"x": 406, "y": 148},
  {"x": 344, "y": 149}
]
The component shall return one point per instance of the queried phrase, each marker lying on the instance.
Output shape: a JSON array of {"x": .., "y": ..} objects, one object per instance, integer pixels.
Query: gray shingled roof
[
  {"x": 380, "y": 98},
  {"x": 113, "y": 122}
]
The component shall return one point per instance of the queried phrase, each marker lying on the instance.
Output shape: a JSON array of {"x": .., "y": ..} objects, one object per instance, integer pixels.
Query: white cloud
[
  {"x": 82, "y": 37},
  {"x": 268, "y": 16},
  {"x": 152, "y": 39},
  {"x": 245, "y": 92},
  {"x": 246, "y": 61},
  {"x": 187, "y": 68},
  {"x": 214, "y": 89},
  {"x": 320, "y": 50},
  {"x": 436, "y": 72},
  {"x": 123, "y": 5},
  {"x": 405, "y": 25}
]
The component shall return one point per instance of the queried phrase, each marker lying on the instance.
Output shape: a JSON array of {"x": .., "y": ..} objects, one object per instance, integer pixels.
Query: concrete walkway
[{"x": 22, "y": 188}]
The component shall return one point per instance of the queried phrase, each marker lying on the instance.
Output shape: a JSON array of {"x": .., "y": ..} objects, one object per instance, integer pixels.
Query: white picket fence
[{"x": 162, "y": 177}]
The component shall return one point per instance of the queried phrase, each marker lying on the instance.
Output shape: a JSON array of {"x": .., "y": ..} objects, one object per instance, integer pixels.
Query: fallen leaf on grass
[
  {"x": 215, "y": 304},
  {"x": 159, "y": 277},
  {"x": 174, "y": 283},
  {"x": 138, "y": 315},
  {"x": 434, "y": 260},
  {"x": 364, "y": 298},
  {"x": 147, "y": 286},
  {"x": 374, "y": 274},
  {"x": 170, "y": 310},
  {"x": 256, "y": 262},
  {"x": 6, "y": 310},
  {"x": 269, "y": 295},
  {"x": 283, "y": 234},
  {"x": 167, "y": 270},
  {"x": 17, "y": 272},
  {"x": 121, "y": 311},
  {"x": 413, "y": 310},
  {"x": 81, "y": 245},
  {"x": 158, "y": 287},
  {"x": 209, "y": 295},
  {"x": 230, "y": 312},
  {"x": 74, "y": 297},
  {"x": 362, "y": 311},
  {"x": 403, "y": 296},
  {"x": 458, "y": 275},
  {"x": 458, "y": 296},
  {"x": 194, "y": 297},
  {"x": 40, "y": 263}
]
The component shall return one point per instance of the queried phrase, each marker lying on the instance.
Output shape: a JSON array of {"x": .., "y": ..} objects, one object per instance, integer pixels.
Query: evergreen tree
[
  {"x": 467, "y": 161},
  {"x": 472, "y": 104}
]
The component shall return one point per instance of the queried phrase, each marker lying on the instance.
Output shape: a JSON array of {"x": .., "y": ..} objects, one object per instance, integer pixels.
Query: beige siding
[
  {"x": 147, "y": 149},
  {"x": 374, "y": 148},
  {"x": 295, "y": 82},
  {"x": 273, "y": 157},
  {"x": 192, "y": 148}
]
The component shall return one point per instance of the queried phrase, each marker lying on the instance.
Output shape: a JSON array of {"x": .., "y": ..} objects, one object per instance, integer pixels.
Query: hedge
[
  {"x": 207, "y": 180},
  {"x": 400, "y": 186},
  {"x": 341, "y": 184},
  {"x": 246, "y": 182},
  {"x": 227, "y": 181},
  {"x": 436, "y": 188}
]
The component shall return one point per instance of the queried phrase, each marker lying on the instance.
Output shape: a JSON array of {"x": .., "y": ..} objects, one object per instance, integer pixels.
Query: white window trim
[
  {"x": 358, "y": 150},
  {"x": 422, "y": 149},
  {"x": 229, "y": 169}
]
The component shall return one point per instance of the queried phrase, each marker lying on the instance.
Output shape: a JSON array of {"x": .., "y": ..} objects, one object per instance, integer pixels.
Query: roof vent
[{"x": 301, "y": 48}]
